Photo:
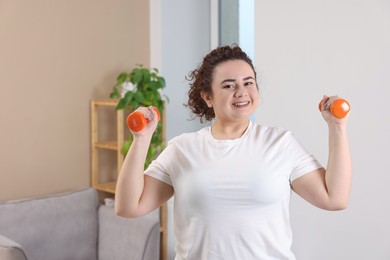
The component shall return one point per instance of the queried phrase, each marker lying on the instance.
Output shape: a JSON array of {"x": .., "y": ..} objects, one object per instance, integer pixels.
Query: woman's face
[{"x": 234, "y": 95}]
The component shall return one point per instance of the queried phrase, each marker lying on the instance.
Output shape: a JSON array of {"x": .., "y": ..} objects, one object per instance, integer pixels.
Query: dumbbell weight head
[
  {"x": 339, "y": 108},
  {"x": 136, "y": 121}
]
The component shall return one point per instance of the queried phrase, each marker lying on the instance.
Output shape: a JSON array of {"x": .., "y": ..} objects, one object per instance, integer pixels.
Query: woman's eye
[
  {"x": 228, "y": 86},
  {"x": 249, "y": 83}
]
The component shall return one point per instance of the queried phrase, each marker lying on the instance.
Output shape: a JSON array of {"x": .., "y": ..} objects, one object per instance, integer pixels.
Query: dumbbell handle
[
  {"x": 137, "y": 121},
  {"x": 339, "y": 108}
]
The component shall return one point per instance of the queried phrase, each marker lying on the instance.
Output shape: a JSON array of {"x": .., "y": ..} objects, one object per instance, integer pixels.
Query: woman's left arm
[{"x": 329, "y": 189}]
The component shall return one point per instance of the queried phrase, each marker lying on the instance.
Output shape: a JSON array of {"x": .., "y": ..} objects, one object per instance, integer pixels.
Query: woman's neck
[{"x": 229, "y": 131}]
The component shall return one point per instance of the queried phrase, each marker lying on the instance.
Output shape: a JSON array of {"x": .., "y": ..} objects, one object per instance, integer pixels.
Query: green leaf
[
  {"x": 161, "y": 81},
  {"x": 149, "y": 98},
  {"x": 126, "y": 147},
  {"x": 139, "y": 97},
  {"x": 147, "y": 103},
  {"x": 136, "y": 76},
  {"x": 125, "y": 101},
  {"x": 121, "y": 78},
  {"x": 153, "y": 76},
  {"x": 155, "y": 85},
  {"x": 160, "y": 105},
  {"x": 134, "y": 104},
  {"x": 115, "y": 93},
  {"x": 121, "y": 104},
  {"x": 146, "y": 75}
]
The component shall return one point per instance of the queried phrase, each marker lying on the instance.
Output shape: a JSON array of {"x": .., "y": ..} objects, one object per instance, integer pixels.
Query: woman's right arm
[{"x": 137, "y": 194}]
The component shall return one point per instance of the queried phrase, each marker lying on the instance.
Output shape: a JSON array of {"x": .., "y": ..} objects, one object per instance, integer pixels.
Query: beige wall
[{"x": 55, "y": 56}]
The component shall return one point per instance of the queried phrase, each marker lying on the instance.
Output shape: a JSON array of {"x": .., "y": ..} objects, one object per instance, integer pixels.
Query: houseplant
[{"x": 145, "y": 91}]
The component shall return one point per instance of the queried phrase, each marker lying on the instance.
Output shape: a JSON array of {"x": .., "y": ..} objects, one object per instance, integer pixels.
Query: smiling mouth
[{"x": 241, "y": 104}]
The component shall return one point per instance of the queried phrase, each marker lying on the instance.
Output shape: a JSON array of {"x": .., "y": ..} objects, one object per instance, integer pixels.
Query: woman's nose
[{"x": 239, "y": 92}]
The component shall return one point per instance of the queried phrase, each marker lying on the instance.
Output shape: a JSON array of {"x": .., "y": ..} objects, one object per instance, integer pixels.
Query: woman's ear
[{"x": 207, "y": 98}]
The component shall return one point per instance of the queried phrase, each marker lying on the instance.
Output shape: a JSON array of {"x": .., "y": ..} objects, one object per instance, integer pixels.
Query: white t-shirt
[{"x": 232, "y": 196}]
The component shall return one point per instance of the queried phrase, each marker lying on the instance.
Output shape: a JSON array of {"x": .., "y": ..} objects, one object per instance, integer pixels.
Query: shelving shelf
[
  {"x": 111, "y": 145},
  {"x": 106, "y": 187},
  {"x": 116, "y": 146}
]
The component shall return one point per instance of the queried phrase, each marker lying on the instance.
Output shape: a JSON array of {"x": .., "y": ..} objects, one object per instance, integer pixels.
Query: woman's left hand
[{"x": 326, "y": 103}]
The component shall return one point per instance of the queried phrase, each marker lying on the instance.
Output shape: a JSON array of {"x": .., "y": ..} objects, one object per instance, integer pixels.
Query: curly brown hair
[{"x": 202, "y": 77}]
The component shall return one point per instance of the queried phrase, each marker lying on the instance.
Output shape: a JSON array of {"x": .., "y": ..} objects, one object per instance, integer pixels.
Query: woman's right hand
[
  {"x": 136, "y": 194},
  {"x": 152, "y": 117}
]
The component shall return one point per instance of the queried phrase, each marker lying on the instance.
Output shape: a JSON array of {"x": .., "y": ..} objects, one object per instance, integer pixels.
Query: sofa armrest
[
  {"x": 10, "y": 250},
  {"x": 122, "y": 238}
]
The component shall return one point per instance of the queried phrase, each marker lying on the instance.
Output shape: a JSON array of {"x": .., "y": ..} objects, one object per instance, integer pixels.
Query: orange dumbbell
[
  {"x": 339, "y": 108},
  {"x": 136, "y": 121}
]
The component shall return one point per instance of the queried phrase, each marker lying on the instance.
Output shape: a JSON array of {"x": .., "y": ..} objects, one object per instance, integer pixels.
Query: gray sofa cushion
[
  {"x": 132, "y": 239},
  {"x": 59, "y": 227},
  {"x": 10, "y": 250}
]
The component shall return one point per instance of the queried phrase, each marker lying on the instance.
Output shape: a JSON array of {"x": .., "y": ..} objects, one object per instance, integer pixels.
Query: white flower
[{"x": 127, "y": 86}]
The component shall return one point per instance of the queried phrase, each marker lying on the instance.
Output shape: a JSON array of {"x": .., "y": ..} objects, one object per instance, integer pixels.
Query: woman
[{"x": 232, "y": 181}]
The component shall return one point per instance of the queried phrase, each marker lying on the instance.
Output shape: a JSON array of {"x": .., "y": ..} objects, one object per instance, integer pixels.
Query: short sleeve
[
  {"x": 159, "y": 168},
  {"x": 302, "y": 161}
]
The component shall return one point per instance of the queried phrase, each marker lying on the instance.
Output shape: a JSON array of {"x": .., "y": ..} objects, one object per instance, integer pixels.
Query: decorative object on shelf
[{"x": 141, "y": 87}]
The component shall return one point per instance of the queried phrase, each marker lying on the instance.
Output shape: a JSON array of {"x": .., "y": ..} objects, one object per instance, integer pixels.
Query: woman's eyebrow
[
  {"x": 227, "y": 80},
  {"x": 249, "y": 77},
  {"x": 233, "y": 80}
]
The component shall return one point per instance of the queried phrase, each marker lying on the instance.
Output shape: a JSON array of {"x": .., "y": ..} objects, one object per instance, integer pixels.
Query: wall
[
  {"x": 55, "y": 57},
  {"x": 185, "y": 41},
  {"x": 229, "y": 22},
  {"x": 305, "y": 49},
  {"x": 236, "y": 24}
]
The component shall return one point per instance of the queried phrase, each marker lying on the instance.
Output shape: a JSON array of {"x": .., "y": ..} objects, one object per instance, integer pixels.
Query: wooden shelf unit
[{"x": 116, "y": 146}]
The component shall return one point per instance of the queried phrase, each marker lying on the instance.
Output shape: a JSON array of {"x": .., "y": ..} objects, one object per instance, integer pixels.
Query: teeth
[{"x": 241, "y": 103}]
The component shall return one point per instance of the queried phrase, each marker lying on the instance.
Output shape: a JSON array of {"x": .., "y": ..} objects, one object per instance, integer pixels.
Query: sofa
[{"x": 74, "y": 226}]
